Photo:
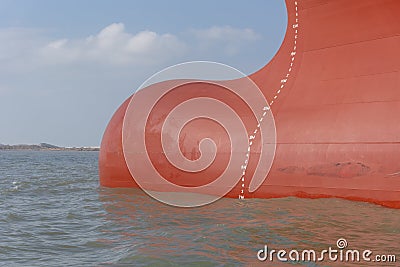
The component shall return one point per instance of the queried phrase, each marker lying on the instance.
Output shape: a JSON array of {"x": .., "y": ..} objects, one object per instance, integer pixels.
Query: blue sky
[{"x": 66, "y": 66}]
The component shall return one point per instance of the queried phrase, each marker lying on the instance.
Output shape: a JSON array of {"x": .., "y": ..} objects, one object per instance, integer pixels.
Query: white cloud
[
  {"x": 16, "y": 43},
  {"x": 227, "y": 33},
  {"x": 113, "y": 45},
  {"x": 27, "y": 49},
  {"x": 57, "y": 44},
  {"x": 227, "y": 39}
]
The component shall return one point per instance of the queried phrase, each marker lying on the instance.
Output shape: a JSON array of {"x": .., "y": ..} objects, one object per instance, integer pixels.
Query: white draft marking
[{"x": 295, "y": 27}]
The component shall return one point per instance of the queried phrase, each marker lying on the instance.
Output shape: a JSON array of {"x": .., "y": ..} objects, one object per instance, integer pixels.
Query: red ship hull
[{"x": 337, "y": 115}]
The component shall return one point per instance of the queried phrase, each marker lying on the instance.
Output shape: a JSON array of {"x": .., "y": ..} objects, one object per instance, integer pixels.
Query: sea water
[{"x": 54, "y": 213}]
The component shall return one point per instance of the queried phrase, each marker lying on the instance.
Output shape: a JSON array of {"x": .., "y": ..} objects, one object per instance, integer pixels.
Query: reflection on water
[
  {"x": 232, "y": 231},
  {"x": 54, "y": 214}
]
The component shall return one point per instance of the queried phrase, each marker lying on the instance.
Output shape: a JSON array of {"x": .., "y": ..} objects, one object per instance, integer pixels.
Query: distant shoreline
[{"x": 46, "y": 147}]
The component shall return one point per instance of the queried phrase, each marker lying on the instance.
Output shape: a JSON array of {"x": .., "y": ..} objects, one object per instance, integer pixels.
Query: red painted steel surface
[{"x": 337, "y": 116}]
